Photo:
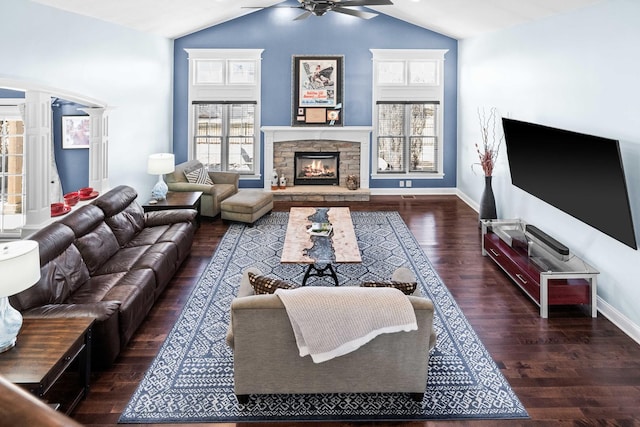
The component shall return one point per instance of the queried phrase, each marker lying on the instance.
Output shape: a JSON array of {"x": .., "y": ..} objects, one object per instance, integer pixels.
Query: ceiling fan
[{"x": 320, "y": 7}]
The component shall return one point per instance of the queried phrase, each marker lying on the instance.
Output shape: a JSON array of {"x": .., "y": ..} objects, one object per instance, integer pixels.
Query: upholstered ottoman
[{"x": 246, "y": 206}]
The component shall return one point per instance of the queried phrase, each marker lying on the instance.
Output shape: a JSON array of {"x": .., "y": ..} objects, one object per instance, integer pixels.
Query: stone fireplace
[
  {"x": 351, "y": 142},
  {"x": 348, "y": 153}
]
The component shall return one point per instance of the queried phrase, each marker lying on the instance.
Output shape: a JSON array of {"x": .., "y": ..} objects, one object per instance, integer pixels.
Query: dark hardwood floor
[{"x": 568, "y": 370}]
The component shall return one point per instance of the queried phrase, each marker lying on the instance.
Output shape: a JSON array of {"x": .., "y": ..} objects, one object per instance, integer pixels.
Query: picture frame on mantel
[
  {"x": 317, "y": 90},
  {"x": 76, "y": 132}
]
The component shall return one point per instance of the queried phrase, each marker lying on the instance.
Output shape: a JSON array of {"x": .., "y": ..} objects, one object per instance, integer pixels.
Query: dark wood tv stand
[{"x": 547, "y": 277}]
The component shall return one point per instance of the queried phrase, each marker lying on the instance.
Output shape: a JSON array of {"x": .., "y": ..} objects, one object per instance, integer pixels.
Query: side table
[
  {"x": 176, "y": 200},
  {"x": 52, "y": 359}
]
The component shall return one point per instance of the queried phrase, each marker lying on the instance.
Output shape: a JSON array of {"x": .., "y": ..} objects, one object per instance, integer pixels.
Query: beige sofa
[
  {"x": 225, "y": 184},
  {"x": 266, "y": 358}
]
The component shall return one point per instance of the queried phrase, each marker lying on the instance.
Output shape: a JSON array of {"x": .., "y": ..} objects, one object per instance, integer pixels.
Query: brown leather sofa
[{"x": 108, "y": 260}]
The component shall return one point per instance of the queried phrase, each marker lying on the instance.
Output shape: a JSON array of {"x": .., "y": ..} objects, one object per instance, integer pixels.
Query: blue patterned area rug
[{"x": 191, "y": 378}]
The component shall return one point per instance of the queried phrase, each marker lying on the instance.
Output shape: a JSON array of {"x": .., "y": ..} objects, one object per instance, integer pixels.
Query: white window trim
[
  {"x": 9, "y": 108},
  {"x": 407, "y": 91},
  {"x": 224, "y": 90}
]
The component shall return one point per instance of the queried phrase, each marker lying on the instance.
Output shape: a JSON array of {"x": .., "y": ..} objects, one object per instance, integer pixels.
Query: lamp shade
[
  {"x": 161, "y": 163},
  {"x": 19, "y": 266}
]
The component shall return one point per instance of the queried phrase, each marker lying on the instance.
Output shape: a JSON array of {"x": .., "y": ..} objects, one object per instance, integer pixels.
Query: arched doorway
[{"x": 37, "y": 143}]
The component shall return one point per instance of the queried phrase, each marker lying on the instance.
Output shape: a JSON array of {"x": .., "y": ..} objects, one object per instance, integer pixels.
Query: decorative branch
[{"x": 490, "y": 148}]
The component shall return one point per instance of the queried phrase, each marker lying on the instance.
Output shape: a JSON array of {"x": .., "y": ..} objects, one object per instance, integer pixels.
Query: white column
[
  {"x": 37, "y": 160},
  {"x": 99, "y": 148},
  {"x": 268, "y": 159},
  {"x": 365, "y": 159}
]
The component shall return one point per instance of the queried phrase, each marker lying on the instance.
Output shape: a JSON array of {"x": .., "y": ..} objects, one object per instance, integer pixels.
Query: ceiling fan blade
[
  {"x": 353, "y": 12},
  {"x": 363, "y": 3},
  {"x": 302, "y": 16},
  {"x": 269, "y": 7}
]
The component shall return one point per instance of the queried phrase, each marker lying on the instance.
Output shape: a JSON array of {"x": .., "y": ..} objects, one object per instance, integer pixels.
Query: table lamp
[
  {"x": 19, "y": 269},
  {"x": 159, "y": 164}
]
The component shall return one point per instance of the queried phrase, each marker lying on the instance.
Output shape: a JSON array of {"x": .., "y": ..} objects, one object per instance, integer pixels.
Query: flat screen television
[{"x": 579, "y": 174}]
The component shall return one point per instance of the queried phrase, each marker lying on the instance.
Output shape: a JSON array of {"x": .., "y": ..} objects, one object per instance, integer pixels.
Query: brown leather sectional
[{"x": 109, "y": 260}]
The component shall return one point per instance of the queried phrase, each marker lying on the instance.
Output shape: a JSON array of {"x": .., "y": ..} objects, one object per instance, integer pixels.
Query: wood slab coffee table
[{"x": 320, "y": 252}]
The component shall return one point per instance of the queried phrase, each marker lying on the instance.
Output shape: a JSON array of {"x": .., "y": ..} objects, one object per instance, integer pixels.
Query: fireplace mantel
[{"x": 359, "y": 134}]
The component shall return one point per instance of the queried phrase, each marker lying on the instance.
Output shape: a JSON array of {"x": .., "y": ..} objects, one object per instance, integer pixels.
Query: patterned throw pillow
[
  {"x": 406, "y": 287},
  {"x": 267, "y": 285},
  {"x": 198, "y": 176}
]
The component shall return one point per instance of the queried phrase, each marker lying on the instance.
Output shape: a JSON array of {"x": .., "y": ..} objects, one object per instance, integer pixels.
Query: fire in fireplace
[{"x": 316, "y": 168}]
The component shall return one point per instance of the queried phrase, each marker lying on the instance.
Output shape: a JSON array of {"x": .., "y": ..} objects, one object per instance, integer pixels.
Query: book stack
[{"x": 320, "y": 229}]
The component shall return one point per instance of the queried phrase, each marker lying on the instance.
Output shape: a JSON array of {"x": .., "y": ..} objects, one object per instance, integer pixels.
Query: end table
[
  {"x": 176, "y": 200},
  {"x": 45, "y": 356}
]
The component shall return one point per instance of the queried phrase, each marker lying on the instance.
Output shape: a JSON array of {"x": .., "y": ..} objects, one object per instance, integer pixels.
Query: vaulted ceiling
[{"x": 455, "y": 18}]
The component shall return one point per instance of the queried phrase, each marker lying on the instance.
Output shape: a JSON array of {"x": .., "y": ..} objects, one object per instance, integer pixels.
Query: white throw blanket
[{"x": 332, "y": 321}]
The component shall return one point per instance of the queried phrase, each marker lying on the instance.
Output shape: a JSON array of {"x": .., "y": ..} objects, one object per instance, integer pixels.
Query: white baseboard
[
  {"x": 475, "y": 206},
  {"x": 619, "y": 319},
  {"x": 413, "y": 191}
]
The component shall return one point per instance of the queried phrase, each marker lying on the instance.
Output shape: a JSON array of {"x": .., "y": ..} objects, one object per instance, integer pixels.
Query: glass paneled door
[{"x": 11, "y": 174}]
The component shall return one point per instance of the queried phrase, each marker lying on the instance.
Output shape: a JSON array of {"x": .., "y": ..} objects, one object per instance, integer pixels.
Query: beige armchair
[{"x": 225, "y": 184}]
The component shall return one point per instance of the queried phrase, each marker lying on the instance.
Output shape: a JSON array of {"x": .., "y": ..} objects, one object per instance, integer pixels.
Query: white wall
[
  {"x": 118, "y": 67},
  {"x": 576, "y": 71}
]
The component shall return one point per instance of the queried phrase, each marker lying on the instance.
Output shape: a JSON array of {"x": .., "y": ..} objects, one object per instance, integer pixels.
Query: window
[
  {"x": 225, "y": 114},
  {"x": 408, "y": 94},
  {"x": 407, "y": 137},
  {"x": 11, "y": 172},
  {"x": 225, "y": 136}
]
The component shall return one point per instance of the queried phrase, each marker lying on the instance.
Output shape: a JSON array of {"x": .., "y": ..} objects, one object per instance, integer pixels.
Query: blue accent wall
[{"x": 275, "y": 31}]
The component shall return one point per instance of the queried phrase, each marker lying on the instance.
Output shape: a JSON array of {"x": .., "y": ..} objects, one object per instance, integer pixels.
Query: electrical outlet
[
  {"x": 401, "y": 183},
  {"x": 408, "y": 183}
]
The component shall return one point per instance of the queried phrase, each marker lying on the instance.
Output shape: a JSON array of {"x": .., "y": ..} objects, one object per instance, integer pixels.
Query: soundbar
[{"x": 549, "y": 241}]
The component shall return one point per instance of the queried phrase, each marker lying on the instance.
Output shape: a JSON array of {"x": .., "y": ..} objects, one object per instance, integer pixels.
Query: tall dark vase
[{"x": 488, "y": 201}]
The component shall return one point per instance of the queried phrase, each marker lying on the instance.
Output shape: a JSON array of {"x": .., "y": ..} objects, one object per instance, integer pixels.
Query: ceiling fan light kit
[{"x": 321, "y": 7}]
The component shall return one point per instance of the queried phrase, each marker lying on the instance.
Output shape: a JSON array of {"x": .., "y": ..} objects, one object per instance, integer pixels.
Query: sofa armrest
[
  {"x": 100, "y": 310},
  {"x": 425, "y": 305},
  {"x": 169, "y": 216},
  {"x": 421, "y": 303},
  {"x": 225, "y": 178},
  {"x": 188, "y": 186},
  {"x": 250, "y": 302}
]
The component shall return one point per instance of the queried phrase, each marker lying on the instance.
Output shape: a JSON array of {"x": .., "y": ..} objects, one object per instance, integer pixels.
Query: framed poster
[
  {"x": 75, "y": 132},
  {"x": 317, "y": 90}
]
